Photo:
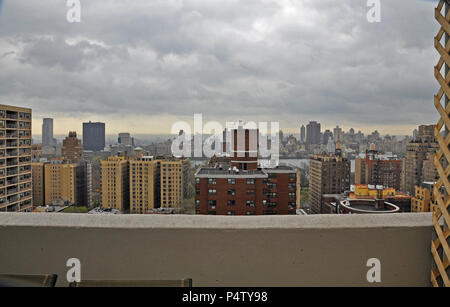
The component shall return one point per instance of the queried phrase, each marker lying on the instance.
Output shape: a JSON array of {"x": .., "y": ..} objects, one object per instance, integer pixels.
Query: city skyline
[
  {"x": 143, "y": 67},
  {"x": 61, "y": 128}
]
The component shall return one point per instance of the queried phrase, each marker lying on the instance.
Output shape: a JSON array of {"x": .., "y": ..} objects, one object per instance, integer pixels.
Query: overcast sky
[{"x": 141, "y": 65}]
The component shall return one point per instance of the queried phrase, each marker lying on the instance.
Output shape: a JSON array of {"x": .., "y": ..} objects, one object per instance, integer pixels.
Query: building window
[
  {"x": 231, "y": 192},
  {"x": 251, "y": 203},
  {"x": 292, "y": 195},
  {"x": 212, "y": 192},
  {"x": 231, "y": 181},
  {"x": 197, "y": 180},
  {"x": 212, "y": 204},
  {"x": 231, "y": 213},
  {"x": 197, "y": 202},
  {"x": 212, "y": 181},
  {"x": 231, "y": 203},
  {"x": 250, "y": 181}
]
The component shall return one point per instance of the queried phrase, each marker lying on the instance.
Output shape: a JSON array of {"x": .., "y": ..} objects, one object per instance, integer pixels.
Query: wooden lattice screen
[{"x": 441, "y": 217}]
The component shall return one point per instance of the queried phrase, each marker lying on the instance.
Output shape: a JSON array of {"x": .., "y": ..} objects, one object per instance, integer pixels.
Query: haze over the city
[{"x": 140, "y": 66}]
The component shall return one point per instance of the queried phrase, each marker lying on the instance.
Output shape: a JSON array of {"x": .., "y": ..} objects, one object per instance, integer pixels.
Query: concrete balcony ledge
[
  {"x": 344, "y": 221},
  {"x": 326, "y": 250}
]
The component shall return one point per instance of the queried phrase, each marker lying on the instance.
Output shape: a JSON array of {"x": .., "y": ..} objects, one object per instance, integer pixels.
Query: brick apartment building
[
  {"x": 115, "y": 172},
  {"x": 236, "y": 186},
  {"x": 423, "y": 200},
  {"x": 72, "y": 149},
  {"x": 377, "y": 169},
  {"x": 61, "y": 180},
  {"x": 329, "y": 174},
  {"x": 140, "y": 184},
  {"x": 419, "y": 162}
]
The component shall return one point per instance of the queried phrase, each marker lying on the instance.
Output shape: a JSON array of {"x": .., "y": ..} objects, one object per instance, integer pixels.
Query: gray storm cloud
[{"x": 287, "y": 60}]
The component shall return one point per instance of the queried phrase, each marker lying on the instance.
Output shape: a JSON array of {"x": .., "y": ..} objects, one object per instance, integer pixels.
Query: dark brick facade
[{"x": 266, "y": 192}]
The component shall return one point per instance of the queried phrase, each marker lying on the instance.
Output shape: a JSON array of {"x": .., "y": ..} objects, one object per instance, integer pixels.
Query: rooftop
[
  {"x": 369, "y": 206},
  {"x": 228, "y": 172}
]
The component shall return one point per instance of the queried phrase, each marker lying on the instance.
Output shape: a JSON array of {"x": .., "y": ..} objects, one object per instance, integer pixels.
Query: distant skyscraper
[
  {"x": 47, "y": 132},
  {"x": 72, "y": 149},
  {"x": 327, "y": 135},
  {"x": 338, "y": 135},
  {"x": 93, "y": 136},
  {"x": 331, "y": 146},
  {"x": 303, "y": 134},
  {"x": 313, "y": 133},
  {"x": 126, "y": 139}
]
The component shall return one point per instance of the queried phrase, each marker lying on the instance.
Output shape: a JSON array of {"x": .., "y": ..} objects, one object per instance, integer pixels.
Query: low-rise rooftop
[
  {"x": 369, "y": 206},
  {"x": 215, "y": 172},
  {"x": 229, "y": 172}
]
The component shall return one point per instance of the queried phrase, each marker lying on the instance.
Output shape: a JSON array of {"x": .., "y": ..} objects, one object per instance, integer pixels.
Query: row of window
[
  {"x": 231, "y": 213},
  {"x": 250, "y": 181},
  {"x": 213, "y": 181},
  {"x": 249, "y": 203},
  {"x": 13, "y": 114},
  {"x": 232, "y": 192}
]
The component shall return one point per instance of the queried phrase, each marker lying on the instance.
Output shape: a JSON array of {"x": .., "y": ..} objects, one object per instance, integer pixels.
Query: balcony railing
[
  {"x": 11, "y": 115},
  {"x": 12, "y": 181},
  {"x": 13, "y": 191},
  {"x": 12, "y": 172},
  {"x": 322, "y": 250},
  {"x": 12, "y": 199},
  {"x": 11, "y": 135}
]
